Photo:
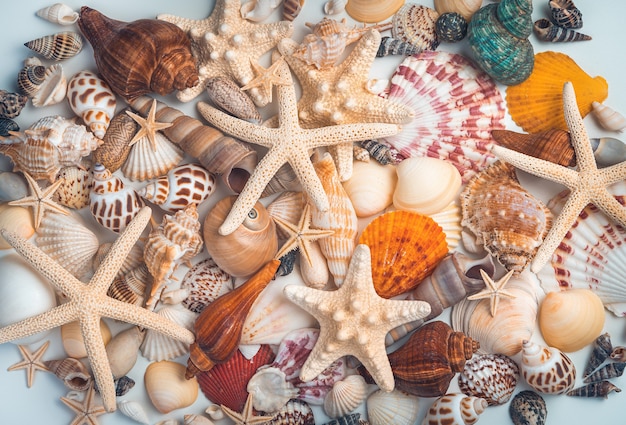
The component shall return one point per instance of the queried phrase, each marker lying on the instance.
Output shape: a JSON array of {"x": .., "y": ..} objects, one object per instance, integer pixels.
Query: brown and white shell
[
  {"x": 48, "y": 145},
  {"x": 112, "y": 203},
  {"x": 76, "y": 185},
  {"x": 45, "y": 85},
  {"x": 131, "y": 286},
  {"x": 205, "y": 282},
  {"x": 145, "y": 162},
  {"x": 547, "y": 369},
  {"x": 58, "y": 46},
  {"x": 504, "y": 217},
  {"x": 91, "y": 98},
  {"x": 489, "y": 376},
  {"x": 116, "y": 141},
  {"x": 71, "y": 371},
  {"x": 182, "y": 186},
  {"x": 11, "y": 104},
  {"x": 415, "y": 24}
]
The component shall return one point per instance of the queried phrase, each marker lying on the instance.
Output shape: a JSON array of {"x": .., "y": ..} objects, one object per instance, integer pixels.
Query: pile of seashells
[{"x": 359, "y": 250}]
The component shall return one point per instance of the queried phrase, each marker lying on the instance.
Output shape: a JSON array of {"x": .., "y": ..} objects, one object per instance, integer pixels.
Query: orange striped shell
[{"x": 405, "y": 248}]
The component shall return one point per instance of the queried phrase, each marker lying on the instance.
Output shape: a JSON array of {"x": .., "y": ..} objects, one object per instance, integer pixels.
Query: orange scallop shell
[
  {"x": 405, "y": 248},
  {"x": 537, "y": 103}
]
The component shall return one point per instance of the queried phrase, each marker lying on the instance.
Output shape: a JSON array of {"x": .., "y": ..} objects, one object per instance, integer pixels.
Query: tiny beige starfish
[
  {"x": 493, "y": 290},
  {"x": 224, "y": 44},
  {"x": 39, "y": 200},
  {"x": 354, "y": 320},
  {"x": 88, "y": 303},
  {"x": 300, "y": 235},
  {"x": 288, "y": 143},
  {"x": 148, "y": 126},
  {"x": 587, "y": 184},
  {"x": 32, "y": 362},
  {"x": 267, "y": 78},
  {"x": 246, "y": 417},
  {"x": 87, "y": 410}
]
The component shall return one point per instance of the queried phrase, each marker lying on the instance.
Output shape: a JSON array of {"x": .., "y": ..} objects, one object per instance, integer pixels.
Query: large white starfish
[
  {"x": 288, "y": 143},
  {"x": 224, "y": 44},
  {"x": 587, "y": 184},
  {"x": 88, "y": 303},
  {"x": 354, "y": 320}
]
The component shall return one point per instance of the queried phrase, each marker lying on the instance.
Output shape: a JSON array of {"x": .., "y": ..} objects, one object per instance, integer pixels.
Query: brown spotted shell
[
  {"x": 415, "y": 24},
  {"x": 489, "y": 376},
  {"x": 59, "y": 46},
  {"x": 509, "y": 221},
  {"x": 77, "y": 182},
  {"x": 206, "y": 281}
]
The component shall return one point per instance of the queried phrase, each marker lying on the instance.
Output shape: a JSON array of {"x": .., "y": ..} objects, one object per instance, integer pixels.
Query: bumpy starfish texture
[
  {"x": 300, "y": 235},
  {"x": 148, "y": 126},
  {"x": 587, "y": 184},
  {"x": 40, "y": 200},
  {"x": 32, "y": 362},
  {"x": 225, "y": 43},
  {"x": 288, "y": 143},
  {"x": 266, "y": 78},
  {"x": 354, "y": 320},
  {"x": 87, "y": 410},
  {"x": 246, "y": 417},
  {"x": 340, "y": 95},
  {"x": 88, "y": 303},
  {"x": 493, "y": 290}
]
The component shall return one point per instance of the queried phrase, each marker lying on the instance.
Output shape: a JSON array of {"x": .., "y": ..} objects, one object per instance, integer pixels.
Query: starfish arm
[
  {"x": 96, "y": 353},
  {"x": 563, "y": 223},
  {"x": 343, "y": 156},
  {"x": 378, "y": 366},
  {"x": 321, "y": 357},
  {"x": 579, "y": 138},
  {"x": 613, "y": 174},
  {"x": 332, "y": 135},
  {"x": 145, "y": 318},
  {"x": 399, "y": 312},
  {"x": 58, "y": 316},
  {"x": 251, "y": 192},
  {"x": 305, "y": 172},
  {"x": 610, "y": 206},
  {"x": 105, "y": 274},
  {"x": 253, "y": 133},
  {"x": 537, "y": 167},
  {"x": 191, "y": 93}
]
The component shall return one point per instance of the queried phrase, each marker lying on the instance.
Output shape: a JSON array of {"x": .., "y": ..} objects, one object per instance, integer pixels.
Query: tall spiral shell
[
  {"x": 59, "y": 46},
  {"x": 91, "y": 99},
  {"x": 547, "y": 369}
]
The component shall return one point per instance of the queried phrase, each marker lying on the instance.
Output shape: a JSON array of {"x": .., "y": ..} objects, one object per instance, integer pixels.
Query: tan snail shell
[
  {"x": 248, "y": 248},
  {"x": 167, "y": 387},
  {"x": 139, "y": 57}
]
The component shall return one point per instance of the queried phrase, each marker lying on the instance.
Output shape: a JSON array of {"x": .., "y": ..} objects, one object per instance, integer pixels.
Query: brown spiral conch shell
[
  {"x": 249, "y": 247},
  {"x": 59, "y": 46},
  {"x": 505, "y": 218},
  {"x": 219, "y": 154},
  {"x": 427, "y": 362},
  {"x": 139, "y": 57}
]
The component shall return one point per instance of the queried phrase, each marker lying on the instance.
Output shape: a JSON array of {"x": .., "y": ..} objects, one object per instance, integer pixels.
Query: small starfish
[
  {"x": 246, "y": 417},
  {"x": 354, "y": 320},
  {"x": 87, "y": 410},
  {"x": 288, "y": 143},
  {"x": 88, "y": 303},
  {"x": 267, "y": 78},
  {"x": 32, "y": 362},
  {"x": 300, "y": 235},
  {"x": 224, "y": 44},
  {"x": 39, "y": 200},
  {"x": 494, "y": 290},
  {"x": 148, "y": 126},
  {"x": 588, "y": 184},
  {"x": 339, "y": 94}
]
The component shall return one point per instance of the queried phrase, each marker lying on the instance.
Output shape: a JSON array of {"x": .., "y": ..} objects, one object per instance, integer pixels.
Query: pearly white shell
[
  {"x": 395, "y": 407},
  {"x": 58, "y": 13},
  {"x": 345, "y": 396},
  {"x": 167, "y": 387}
]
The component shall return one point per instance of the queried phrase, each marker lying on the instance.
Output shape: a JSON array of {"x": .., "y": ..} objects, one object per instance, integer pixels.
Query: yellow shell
[
  {"x": 570, "y": 320},
  {"x": 372, "y": 11},
  {"x": 16, "y": 219},
  {"x": 537, "y": 104},
  {"x": 73, "y": 342}
]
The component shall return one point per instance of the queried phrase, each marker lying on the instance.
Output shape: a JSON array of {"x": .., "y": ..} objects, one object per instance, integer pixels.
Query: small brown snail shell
[
  {"x": 248, "y": 248},
  {"x": 139, "y": 57}
]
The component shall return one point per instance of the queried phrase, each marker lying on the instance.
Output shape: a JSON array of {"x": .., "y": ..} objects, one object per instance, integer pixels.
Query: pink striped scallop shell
[{"x": 455, "y": 107}]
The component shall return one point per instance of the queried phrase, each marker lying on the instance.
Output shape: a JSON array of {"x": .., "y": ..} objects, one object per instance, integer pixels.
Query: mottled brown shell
[
  {"x": 115, "y": 149},
  {"x": 552, "y": 145},
  {"x": 139, "y": 57},
  {"x": 509, "y": 221}
]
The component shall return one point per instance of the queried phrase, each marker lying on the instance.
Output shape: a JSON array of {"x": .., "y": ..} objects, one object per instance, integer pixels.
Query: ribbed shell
[
  {"x": 145, "y": 162},
  {"x": 608, "y": 117},
  {"x": 58, "y": 13},
  {"x": 415, "y": 24},
  {"x": 76, "y": 186},
  {"x": 345, "y": 396},
  {"x": 565, "y": 14},
  {"x": 157, "y": 346},
  {"x": 446, "y": 93},
  {"x": 295, "y": 412},
  {"x": 115, "y": 147},
  {"x": 395, "y": 407},
  {"x": 58, "y": 46},
  {"x": 492, "y": 377},
  {"x": 131, "y": 287},
  {"x": 206, "y": 281},
  {"x": 287, "y": 206},
  {"x": 11, "y": 104},
  {"x": 45, "y": 85}
]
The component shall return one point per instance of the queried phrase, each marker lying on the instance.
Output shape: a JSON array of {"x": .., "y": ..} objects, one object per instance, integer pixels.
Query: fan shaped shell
[
  {"x": 405, "y": 248},
  {"x": 395, "y": 407},
  {"x": 146, "y": 162},
  {"x": 590, "y": 256},
  {"x": 537, "y": 104},
  {"x": 157, "y": 346},
  {"x": 345, "y": 396},
  {"x": 455, "y": 107}
]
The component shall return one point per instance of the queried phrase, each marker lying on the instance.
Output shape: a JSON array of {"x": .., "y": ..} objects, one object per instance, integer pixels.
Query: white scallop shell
[
  {"x": 91, "y": 98},
  {"x": 371, "y": 187},
  {"x": 134, "y": 410},
  {"x": 145, "y": 163},
  {"x": 450, "y": 221},
  {"x": 58, "y": 13},
  {"x": 156, "y": 346},
  {"x": 608, "y": 118},
  {"x": 67, "y": 241},
  {"x": 591, "y": 255},
  {"x": 52, "y": 89},
  {"x": 287, "y": 206},
  {"x": 455, "y": 107},
  {"x": 395, "y": 407},
  {"x": 345, "y": 396}
]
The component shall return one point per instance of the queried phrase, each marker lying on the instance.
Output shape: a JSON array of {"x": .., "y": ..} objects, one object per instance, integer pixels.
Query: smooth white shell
[
  {"x": 134, "y": 410},
  {"x": 167, "y": 387},
  {"x": 608, "y": 118},
  {"x": 371, "y": 187},
  {"x": 58, "y": 13}
]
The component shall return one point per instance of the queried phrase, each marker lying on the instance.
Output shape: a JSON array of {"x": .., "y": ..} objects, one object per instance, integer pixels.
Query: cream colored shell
[
  {"x": 167, "y": 387},
  {"x": 371, "y": 187}
]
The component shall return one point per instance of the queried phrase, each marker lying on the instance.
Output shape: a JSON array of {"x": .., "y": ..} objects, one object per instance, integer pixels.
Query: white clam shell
[
  {"x": 167, "y": 387},
  {"x": 270, "y": 389},
  {"x": 426, "y": 185},
  {"x": 145, "y": 163},
  {"x": 58, "y": 13},
  {"x": 23, "y": 293},
  {"x": 345, "y": 396},
  {"x": 371, "y": 187},
  {"x": 157, "y": 346},
  {"x": 134, "y": 410},
  {"x": 395, "y": 407},
  {"x": 18, "y": 220},
  {"x": 91, "y": 98}
]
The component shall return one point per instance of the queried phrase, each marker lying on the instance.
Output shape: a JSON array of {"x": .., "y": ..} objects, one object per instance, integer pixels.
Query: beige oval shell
[
  {"x": 371, "y": 187},
  {"x": 16, "y": 219},
  {"x": 167, "y": 387}
]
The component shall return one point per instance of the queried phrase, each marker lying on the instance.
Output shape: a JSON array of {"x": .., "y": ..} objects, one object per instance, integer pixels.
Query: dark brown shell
[
  {"x": 115, "y": 147},
  {"x": 139, "y": 57},
  {"x": 552, "y": 145},
  {"x": 427, "y": 362}
]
